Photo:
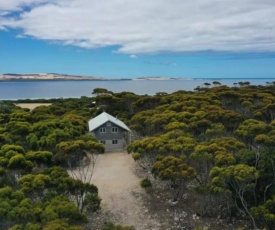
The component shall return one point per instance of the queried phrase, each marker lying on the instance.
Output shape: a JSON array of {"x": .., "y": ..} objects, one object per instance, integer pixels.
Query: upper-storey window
[
  {"x": 114, "y": 129},
  {"x": 102, "y": 130}
]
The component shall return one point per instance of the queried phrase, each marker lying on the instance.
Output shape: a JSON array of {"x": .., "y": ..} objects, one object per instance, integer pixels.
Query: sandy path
[{"x": 120, "y": 191}]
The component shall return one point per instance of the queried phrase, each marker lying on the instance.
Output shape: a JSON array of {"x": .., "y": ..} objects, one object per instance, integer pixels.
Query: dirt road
[{"x": 120, "y": 191}]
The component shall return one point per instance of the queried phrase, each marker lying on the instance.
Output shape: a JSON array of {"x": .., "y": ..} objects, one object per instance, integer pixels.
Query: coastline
[
  {"x": 63, "y": 77},
  {"x": 43, "y": 80},
  {"x": 67, "y": 78}
]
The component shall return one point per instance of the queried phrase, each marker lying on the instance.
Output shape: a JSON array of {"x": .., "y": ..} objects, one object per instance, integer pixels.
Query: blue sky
[{"x": 125, "y": 39}]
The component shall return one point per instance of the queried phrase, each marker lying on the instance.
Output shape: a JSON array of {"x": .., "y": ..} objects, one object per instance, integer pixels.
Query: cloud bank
[{"x": 146, "y": 26}]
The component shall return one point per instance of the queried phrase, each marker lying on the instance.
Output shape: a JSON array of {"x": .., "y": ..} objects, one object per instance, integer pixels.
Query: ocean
[{"x": 66, "y": 89}]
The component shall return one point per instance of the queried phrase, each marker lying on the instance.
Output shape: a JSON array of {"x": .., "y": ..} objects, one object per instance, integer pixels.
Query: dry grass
[{"x": 32, "y": 106}]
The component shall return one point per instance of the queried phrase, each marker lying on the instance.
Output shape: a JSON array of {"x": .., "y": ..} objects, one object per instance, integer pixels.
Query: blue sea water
[{"x": 65, "y": 89}]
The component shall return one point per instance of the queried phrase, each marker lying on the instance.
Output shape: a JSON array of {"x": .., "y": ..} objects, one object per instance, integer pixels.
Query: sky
[{"x": 139, "y": 38}]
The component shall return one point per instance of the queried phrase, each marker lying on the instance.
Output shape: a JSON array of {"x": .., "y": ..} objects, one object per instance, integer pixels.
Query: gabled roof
[{"x": 104, "y": 117}]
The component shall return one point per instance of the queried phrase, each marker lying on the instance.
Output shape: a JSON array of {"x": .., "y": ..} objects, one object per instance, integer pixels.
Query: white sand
[{"x": 32, "y": 106}]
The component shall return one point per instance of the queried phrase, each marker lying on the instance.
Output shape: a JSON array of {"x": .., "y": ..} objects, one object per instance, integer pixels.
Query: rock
[
  {"x": 172, "y": 203},
  {"x": 184, "y": 214},
  {"x": 185, "y": 196}
]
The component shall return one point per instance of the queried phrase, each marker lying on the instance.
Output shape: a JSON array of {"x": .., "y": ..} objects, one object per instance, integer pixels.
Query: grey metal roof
[{"x": 102, "y": 118}]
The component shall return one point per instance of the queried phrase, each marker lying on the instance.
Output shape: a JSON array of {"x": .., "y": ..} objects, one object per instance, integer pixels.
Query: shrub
[
  {"x": 136, "y": 156},
  {"x": 145, "y": 183},
  {"x": 111, "y": 226}
]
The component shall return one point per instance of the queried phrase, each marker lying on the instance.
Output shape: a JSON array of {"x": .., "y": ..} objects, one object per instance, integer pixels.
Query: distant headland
[
  {"x": 65, "y": 77},
  {"x": 46, "y": 77}
]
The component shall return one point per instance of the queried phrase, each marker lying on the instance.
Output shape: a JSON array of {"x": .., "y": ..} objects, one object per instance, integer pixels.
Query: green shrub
[
  {"x": 111, "y": 226},
  {"x": 145, "y": 183},
  {"x": 136, "y": 156},
  {"x": 92, "y": 202}
]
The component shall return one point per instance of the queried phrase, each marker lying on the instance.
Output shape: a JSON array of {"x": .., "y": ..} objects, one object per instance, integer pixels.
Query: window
[
  {"x": 108, "y": 124},
  {"x": 114, "y": 130},
  {"x": 114, "y": 142},
  {"x": 103, "y": 142},
  {"x": 102, "y": 130}
]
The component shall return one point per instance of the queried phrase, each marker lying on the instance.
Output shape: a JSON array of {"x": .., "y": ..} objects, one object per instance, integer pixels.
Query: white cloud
[
  {"x": 17, "y": 5},
  {"x": 148, "y": 26},
  {"x": 133, "y": 56}
]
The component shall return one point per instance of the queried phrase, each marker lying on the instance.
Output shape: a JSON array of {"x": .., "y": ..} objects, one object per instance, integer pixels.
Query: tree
[
  {"x": 175, "y": 143},
  {"x": 61, "y": 207},
  {"x": 140, "y": 123},
  {"x": 40, "y": 158},
  {"x": 265, "y": 214},
  {"x": 206, "y": 84},
  {"x": 216, "y": 83},
  {"x": 228, "y": 118},
  {"x": 235, "y": 182},
  {"x": 175, "y": 171},
  {"x": 100, "y": 91},
  {"x": 35, "y": 186},
  {"x": 60, "y": 225},
  {"x": 73, "y": 152},
  {"x": 12, "y": 159},
  {"x": 249, "y": 129},
  {"x": 81, "y": 157},
  {"x": 199, "y": 127},
  {"x": 20, "y": 116}
]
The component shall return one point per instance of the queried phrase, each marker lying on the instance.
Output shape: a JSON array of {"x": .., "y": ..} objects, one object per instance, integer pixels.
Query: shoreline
[
  {"x": 129, "y": 79},
  {"x": 43, "y": 80}
]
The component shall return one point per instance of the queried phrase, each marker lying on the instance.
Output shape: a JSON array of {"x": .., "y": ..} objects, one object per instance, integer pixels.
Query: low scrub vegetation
[{"x": 221, "y": 140}]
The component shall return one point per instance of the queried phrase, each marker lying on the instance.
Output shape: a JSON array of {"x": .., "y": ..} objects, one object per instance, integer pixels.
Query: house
[{"x": 110, "y": 131}]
